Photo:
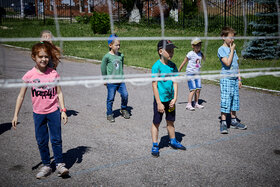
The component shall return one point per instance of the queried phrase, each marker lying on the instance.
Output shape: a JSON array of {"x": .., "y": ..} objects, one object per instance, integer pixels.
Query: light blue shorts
[{"x": 194, "y": 84}]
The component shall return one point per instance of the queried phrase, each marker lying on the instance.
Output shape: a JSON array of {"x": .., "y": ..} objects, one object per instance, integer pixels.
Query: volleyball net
[{"x": 147, "y": 78}]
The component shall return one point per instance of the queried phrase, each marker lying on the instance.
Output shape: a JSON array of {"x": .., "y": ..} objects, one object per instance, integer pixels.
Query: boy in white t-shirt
[{"x": 193, "y": 58}]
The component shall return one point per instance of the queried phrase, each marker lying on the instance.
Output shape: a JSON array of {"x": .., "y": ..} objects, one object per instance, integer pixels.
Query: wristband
[{"x": 63, "y": 110}]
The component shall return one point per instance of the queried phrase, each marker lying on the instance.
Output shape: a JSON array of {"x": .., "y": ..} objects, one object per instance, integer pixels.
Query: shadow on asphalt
[
  {"x": 165, "y": 139},
  {"x": 200, "y": 101},
  {"x": 75, "y": 155},
  {"x": 5, "y": 127},
  {"x": 71, "y": 113},
  {"x": 71, "y": 157},
  {"x": 117, "y": 112}
]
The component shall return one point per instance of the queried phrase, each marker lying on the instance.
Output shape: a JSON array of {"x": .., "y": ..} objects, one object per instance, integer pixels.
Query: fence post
[
  {"x": 88, "y": 5},
  {"x": 44, "y": 16},
  {"x": 148, "y": 12},
  {"x": 21, "y": 9},
  {"x": 184, "y": 11},
  {"x": 70, "y": 11},
  {"x": 225, "y": 16},
  {"x": 119, "y": 11}
]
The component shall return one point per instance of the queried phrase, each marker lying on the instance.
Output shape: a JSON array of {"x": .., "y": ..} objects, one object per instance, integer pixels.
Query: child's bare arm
[
  {"x": 19, "y": 102},
  {"x": 239, "y": 80},
  {"x": 156, "y": 94},
  {"x": 183, "y": 63},
  {"x": 173, "y": 101},
  {"x": 228, "y": 61},
  {"x": 61, "y": 103},
  {"x": 203, "y": 57}
]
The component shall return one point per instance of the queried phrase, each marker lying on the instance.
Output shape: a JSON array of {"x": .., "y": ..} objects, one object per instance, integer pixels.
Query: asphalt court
[{"x": 102, "y": 154}]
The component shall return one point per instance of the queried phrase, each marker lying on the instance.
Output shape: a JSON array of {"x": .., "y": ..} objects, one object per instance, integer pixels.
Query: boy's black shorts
[{"x": 169, "y": 116}]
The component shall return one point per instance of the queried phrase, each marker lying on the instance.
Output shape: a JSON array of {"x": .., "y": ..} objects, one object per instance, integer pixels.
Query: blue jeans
[
  {"x": 112, "y": 88},
  {"x": 48, "y": 125}
]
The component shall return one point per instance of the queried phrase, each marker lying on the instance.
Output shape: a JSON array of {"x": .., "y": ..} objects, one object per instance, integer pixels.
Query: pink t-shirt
[{"x": 44, "y": 98}]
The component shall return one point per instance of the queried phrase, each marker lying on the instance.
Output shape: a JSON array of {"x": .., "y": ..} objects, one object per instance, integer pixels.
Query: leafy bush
[
  {"x": 191, "y": 8},
  {"x": 100, "y": 23},
  {"x": 49, "y": 21},
  {"x": 85, "y": 19},
  {"x": 78, "y": 19},
  {"x": 171, "y": 22}
]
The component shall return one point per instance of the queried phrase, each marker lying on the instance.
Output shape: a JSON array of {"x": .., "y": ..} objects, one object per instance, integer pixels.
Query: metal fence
[{"x": 233, "y": 13}]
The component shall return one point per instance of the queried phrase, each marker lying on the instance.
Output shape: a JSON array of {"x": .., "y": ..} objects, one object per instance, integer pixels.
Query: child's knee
[
  {"x": 156, "y": 125},
  {"x": 170, "y": 123}
]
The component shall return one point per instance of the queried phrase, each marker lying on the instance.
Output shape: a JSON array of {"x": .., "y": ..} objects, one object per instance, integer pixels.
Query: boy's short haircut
[{"x": 226, "y": 30}]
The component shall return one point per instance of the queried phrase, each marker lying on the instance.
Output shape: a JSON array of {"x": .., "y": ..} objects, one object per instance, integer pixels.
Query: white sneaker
[
  {"x": 199, "y": 106},
  {"x": 62, "y": 170},
  {"x": 44, "y": 172},
  {"x": 189, "y": 107}
]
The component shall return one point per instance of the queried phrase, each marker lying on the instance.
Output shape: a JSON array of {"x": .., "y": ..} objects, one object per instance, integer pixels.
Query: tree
[
  {"x": 265, "y": 25},
  {"x": 173, "y": 4}
]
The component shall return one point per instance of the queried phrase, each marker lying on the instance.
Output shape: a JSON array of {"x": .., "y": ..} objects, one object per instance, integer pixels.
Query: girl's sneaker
[
  {"x": 62, "y": 170},
  {"x": 199, "y": 106},
  {"x": 44, "y": 172},
  {"x": 190, "y": 107}
]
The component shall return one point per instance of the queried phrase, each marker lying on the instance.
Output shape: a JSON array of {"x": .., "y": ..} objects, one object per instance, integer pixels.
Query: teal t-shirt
[
  {"x": 165, "y": 88},
  {"x": 112, "y": 65}
]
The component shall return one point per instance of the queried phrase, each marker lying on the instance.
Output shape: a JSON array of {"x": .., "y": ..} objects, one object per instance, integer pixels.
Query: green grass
[
  {"x": 138, "y": 53},
  {"x": 267, "y": 82}
]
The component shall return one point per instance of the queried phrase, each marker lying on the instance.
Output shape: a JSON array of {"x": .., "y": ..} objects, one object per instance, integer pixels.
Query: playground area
[{"x": 99, "y": 153}]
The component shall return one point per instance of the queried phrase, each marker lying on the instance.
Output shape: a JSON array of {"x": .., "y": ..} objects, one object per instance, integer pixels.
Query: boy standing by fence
[{"x": 231, "y": 83}]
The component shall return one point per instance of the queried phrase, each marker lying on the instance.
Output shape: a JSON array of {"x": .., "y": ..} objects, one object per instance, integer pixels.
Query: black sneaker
[
  {"x": 110, "y": 118},
  {"x": 125, "y": 114}
]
